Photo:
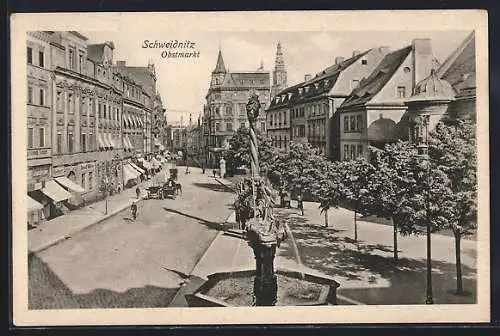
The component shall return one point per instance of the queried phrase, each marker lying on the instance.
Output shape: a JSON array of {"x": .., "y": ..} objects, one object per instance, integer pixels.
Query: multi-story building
[
  {"x": 307, "y": 111},
  {"x": 159, "y": 123},
  {"x": 176, "y": 136},
  {"x": 145, "y": 78},
  {"x": 278, "y": 114},
  {"x": 194, "y": 141},
  {"x": 225, "y": 109},
  {"x": 39, "y": 121},
  {"x": 370, "y": 114},
  {"x": 79, "y": 135}
]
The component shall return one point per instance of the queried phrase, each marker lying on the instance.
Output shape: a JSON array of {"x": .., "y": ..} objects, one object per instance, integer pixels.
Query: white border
[{"x": 245, "y": 21}]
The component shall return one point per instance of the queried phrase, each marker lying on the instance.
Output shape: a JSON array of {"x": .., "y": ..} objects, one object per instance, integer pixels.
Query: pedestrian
[
  {"x": 215, "y": 172},
  {"x": 133, "y": 209},
  {"x": 300, "y": 204},
  {"x": 138, "y": 192}
]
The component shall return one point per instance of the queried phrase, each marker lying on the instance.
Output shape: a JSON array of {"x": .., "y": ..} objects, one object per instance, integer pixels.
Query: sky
[{"x": 183, "y": 82}]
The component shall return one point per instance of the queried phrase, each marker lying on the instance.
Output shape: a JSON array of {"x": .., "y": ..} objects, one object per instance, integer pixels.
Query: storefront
[
  {"x": 35, "y": 213},
  {"x": 52, "y": 197}
]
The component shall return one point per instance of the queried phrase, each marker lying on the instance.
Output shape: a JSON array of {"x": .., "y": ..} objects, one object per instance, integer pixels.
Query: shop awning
[
  {"x": 138, "y": 121},
  {"x": 100, "y": 140},
  {"x": 110, "y": 140},
  {"x": 129, "y": 142},
  {"x": 33, "y": 205},
  {"x": 67, "y": 183},
  {"x": 129, "y": 121},
  {"x": 125, "y": 143},
  {"x": 55, "y": 192},
  {"x": 136, "y": 167},
  {"x": 129, "y": 173}
]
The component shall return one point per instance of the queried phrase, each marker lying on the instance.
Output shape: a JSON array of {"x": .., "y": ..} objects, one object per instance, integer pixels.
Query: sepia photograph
[{"x": 261, "y": 167}]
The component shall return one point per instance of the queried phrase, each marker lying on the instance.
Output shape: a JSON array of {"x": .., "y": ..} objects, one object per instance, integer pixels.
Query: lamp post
[{"x": 419, "y": 134}]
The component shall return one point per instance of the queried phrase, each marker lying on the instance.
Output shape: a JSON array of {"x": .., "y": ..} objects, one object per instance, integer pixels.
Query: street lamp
[{"x": 419, "y": 135}]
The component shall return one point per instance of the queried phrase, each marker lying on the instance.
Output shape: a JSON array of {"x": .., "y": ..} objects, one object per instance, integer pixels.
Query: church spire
[
  {"x": 220, "y": 67},
  {"x": 279, "y": 72},
  {"x": 279, "y": 63}
]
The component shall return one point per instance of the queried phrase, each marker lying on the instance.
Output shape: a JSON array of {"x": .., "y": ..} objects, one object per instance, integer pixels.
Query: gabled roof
[
  {"x": 372, "y": 85},
  {"x": 460, "y": 68},
  {"x": 319, "y": 85},
  {"x": 233, "y": 80}
]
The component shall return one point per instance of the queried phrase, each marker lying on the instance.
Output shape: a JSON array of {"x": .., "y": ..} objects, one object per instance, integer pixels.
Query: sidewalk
[
  {"x": 365, "y": 269},
  {"x": 63, "y": 227}
]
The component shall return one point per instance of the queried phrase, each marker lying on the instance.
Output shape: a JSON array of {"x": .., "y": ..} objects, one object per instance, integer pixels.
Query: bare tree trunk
[
  {"x": 458, "y": 259},
  {"x": 326, "y": 217},
  {"x": 355, "y": 227},
  {"x": 395, "y": 238}
]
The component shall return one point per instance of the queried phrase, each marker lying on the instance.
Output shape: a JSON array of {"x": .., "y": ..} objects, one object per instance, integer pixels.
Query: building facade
[
  {"x": 225, "y": 108},
  {"x": 39, "y": 121},
  {"x": 369, "y": 116},
  {"x": 81, "y": 133},
  {"x": 308, "y": 111}
]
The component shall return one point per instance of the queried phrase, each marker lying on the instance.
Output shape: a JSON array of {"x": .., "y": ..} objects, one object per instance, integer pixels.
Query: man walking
[
  {"x": 138, "y": 192},
  {"x": 300, "y": 203},
  {"x": 133, "y": 209}
]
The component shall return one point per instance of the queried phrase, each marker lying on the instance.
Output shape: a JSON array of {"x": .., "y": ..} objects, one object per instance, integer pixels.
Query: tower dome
[{"x": 433, "y": 88}]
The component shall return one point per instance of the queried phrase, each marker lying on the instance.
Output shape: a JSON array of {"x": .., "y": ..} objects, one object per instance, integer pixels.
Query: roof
[
  {"x": 141, "y": 76},
  {"x": 319, "y": 85},
  {"x": 459, "y": 69},
  {"x": 233, "y": 80},
  {"x": 371, "y": 86},
  {"x": 220, "y": 67},
  {"x": 95, "y": 52}
]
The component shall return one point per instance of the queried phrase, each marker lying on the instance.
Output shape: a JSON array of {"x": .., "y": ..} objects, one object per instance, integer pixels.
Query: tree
[
  {"x": 331, "y": 190},
  {"x": 239, "y": 150},
  {"x": 357, "y": 176},
  {"x": 452, "y": 149}
]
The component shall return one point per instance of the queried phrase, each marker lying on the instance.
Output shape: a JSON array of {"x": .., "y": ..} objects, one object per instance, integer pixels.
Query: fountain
[{"x": 264, "y": 233}]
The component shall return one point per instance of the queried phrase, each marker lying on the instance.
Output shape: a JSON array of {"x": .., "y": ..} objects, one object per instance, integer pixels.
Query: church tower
[
  {"x": 219, "y": 72},
  {"x": 279, "y": 72}
]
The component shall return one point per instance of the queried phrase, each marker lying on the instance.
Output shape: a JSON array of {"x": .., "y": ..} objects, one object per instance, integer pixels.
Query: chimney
[
  {"x": 384, "y": 49},
  {"x": 307, "y": 77},
  {"x": 121, "y": 63},
  {"x": 422, "y": 59},
  {"x": 355, "y": 53},
  {"x": 339, "y": 60}
]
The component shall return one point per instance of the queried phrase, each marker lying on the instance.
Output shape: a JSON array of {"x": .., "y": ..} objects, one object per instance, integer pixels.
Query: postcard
[{"x": 217, "y": 168}]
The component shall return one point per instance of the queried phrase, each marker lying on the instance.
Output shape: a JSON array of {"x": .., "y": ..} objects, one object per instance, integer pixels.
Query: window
[
  {"x": 360, "y": 150},
  {"x": 364, "y": 62},
  {"x": 262, "y": 126},
  {"x": 41, "y": 59},
  {"x": 83, "y": 105},
  {"x": 346, "y": 152},
  {"x": 30, "y": 95},
  {"x": 41, "y": 133},
  {"x": 59, "y": 142},
  {"x": 242, "y": 109},
  {"x": 83, "y": 141},
  {"x": 42, "y": 97},
  {"x": 284, "y": 118},
  {"x": 30, "y": 138},
  {"x": 71, "y": 106},
  {"x": 83, "y": 180},
  {"x": 104, "y": 113},
  {"x": 229, "y": 127},
  {"x": 346, "y": 124},
  {"x": 100, "y": 110},
  {"x": 70, "y": 142},
  {"x": 91, "y": 180},
  {"x": 91, "y": 107},
  {"x": 353, "y": 152},
  {"x": 401, "y": 92},
  {"x": 59, "y": 102},
  {"x": 30, "y": 55},
  {"x": 354, "y": 84},
  {"x": 72, "y": 59},
  {"x": 91, "y": 142},
  {"x": 217, "y": 127},
  {"x": 353, "y": 124},
  {"x": 359, "y": 123},
  {"x": 229, "y": 110},
  {"x": 80, "y": 63}
]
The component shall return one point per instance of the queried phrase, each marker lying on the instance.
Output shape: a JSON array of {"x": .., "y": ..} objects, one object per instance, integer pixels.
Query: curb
[
  {"x": 225, "y": 185},
  {"x": 69, "y": 235}
]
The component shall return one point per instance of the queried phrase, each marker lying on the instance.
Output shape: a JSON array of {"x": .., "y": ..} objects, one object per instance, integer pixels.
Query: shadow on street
[
  {"x": 47, "y": 291},
  {"x": 213, "y": 187},
  {"x": 328, "y": 251},
  {"x": 209, "y": 224}
]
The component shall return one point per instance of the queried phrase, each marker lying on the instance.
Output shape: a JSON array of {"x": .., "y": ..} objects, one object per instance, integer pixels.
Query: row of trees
[{"x": 395, "y": 182}]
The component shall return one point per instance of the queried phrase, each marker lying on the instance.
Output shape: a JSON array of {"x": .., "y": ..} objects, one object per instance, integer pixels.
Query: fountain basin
[{"x": 235, "y": 289}]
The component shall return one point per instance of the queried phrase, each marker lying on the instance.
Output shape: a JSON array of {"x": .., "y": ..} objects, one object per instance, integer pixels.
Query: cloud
[{"x": 324, "y": 41}]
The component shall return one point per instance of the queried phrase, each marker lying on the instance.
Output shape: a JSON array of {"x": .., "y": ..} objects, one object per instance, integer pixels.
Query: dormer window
[
  {"x": 327, "y": 82},
  {"x": 316, "y": 86},
  {"x": 289, "y": 95},
  {"x": 307, "y": 89},
  {"x": 364, "y": 62},
  {"x": 300, "y": 90},
  {"x": 283, "y": 97}
]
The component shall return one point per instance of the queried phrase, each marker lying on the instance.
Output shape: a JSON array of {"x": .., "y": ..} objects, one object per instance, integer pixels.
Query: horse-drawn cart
[{"x": 155, "y": 192}]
